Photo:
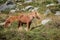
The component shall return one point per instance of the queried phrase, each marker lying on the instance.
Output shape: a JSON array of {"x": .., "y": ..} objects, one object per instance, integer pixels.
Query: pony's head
[{"x": 35, "y": 14}]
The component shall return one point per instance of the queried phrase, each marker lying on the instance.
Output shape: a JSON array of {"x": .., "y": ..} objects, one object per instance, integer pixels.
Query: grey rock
[
  {"x": 48, "y": 5},
  {"x": 45, "y": 21},
  {"x": 28, "y": 1},
  {"x": 7, "y": 5},
  {"x": 27, "y": 8},
  {"x": 12, "y": 11},
  {"x": 58, "y": 1},
  {"x": 47, "y": 12},
  {"x": 57, "y": 13}
]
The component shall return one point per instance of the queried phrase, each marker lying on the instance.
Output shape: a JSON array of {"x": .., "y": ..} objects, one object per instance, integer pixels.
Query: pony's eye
[{"x": 35, "y": 12}]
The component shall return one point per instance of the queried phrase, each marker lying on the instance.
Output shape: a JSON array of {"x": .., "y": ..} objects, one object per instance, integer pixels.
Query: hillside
[{"x": 47, "y": 28}]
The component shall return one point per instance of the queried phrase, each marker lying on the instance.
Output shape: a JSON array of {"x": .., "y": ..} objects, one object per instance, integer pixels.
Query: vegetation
[
  {"x": 2, "y": 1},
  {"x": 50, "y": 31}
]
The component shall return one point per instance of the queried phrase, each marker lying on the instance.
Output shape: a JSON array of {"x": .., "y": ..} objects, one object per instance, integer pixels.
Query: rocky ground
[{"x": 47, "y": 28}]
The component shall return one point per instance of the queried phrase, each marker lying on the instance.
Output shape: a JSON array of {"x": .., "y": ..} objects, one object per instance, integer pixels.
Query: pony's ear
[{"x": 36, "y": 12}]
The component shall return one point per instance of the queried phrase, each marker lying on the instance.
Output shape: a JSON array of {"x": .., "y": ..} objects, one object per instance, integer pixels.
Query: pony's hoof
[
  {"x": 26, "y": 29},
  {"x": 20, "y": 29}
]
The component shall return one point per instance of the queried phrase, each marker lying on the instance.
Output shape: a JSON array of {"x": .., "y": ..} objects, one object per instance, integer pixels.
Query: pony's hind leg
[
  {"x": 6, "y": 24},
  {"x": 19, "y": 24}
]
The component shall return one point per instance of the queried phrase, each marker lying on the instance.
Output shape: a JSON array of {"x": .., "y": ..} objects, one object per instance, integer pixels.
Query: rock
[
  {"x": 58, "y": 1},
  {"x": 47, "y": 12},
  {"x": 7, "y": 5},
  {"x": 50, "y": 5},
  {"x": 3, "y": 7},
  {"x": 12, "y": 11},
  {"x": 19, "y": 3},
  {"x": 30, "y": 8},
  {"x": 17, "y": 9},
  {"x": 28, "y": 1},
  {"x": 27, "y": 8},
  {"x": 36, "y": 8},
  {"x": 57, "y": 13},
  {"x": 45, "y": 21}
]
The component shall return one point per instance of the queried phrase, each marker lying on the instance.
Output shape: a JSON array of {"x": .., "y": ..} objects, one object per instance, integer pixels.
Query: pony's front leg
[{"x": 28, "y": 27}]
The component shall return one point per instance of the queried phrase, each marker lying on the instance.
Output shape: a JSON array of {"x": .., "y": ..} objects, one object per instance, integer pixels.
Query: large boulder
[{"x": 7, "y": 5}]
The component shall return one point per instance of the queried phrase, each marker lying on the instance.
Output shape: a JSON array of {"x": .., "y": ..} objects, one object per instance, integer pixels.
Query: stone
[
  {"x": 12, "y": 11},
  {"x": 27, "y": 8},
  {"x": 28, "y": 1},
  {"x": 50, "y": 5},
  {"x": 7, "y": 5},
  {"x": 47, "y": 12},
  {"x": 45, "y": 21},
  {"x": 57, "y": 13},
  {"x": 58, "y": 1}
]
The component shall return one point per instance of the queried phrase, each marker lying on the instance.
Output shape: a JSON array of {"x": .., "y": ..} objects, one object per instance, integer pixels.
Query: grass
[
  {"x": 50, "y": 31},
  {"x": 2, "y": 2}
]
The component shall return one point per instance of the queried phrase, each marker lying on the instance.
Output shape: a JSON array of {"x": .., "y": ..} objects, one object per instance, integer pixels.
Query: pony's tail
[{"x": 2, "y": 23}]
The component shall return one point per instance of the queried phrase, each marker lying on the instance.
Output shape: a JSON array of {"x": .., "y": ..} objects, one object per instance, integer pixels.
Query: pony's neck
[{"x": 31, "y": 17}]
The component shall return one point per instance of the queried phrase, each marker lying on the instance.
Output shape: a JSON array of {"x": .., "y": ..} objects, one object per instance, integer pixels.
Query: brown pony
[{"x": 23, "y": 18}]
